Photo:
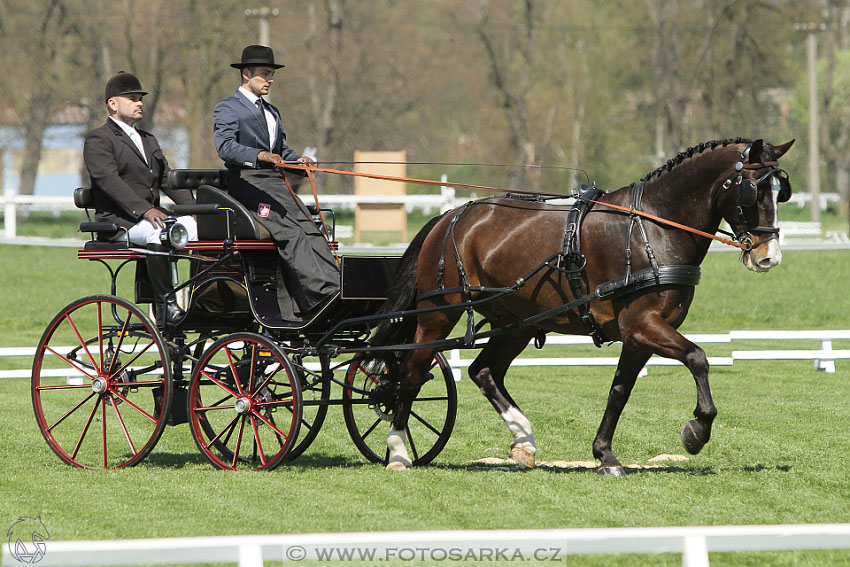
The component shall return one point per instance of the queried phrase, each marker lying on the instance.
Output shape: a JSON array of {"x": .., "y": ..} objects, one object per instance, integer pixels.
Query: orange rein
[{"x": 310, "y": 168}]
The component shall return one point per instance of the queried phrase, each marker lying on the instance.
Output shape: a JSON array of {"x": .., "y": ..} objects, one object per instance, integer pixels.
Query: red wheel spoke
[
  {"x": 270, "y": 424},
  {"x": 72, "y": 410},
  {"x": 267, "y": 379},
  {"x": 220, "y": 384},
  {"x": 238, "y": 442},
  {"x": 121, "y": 334},
  {"x": 82, "y": 342},
  {"x": 226, "y": 427},
  {"x": 124, "y": 366},
  {"x": 207, "y": 408},
  {"x": 78, "y": 366},
  {"x": 261, "y": 453},
  {"x": 233, "y": 371},
  {"x": 137, "y": 408},
  {"x": 85, "y": 430},
  {"x": 254, "y": 352},
  {"x": 64, "y": 387},
  {"x": 103, "y": 429},
  {"x": 123, "y": 426}
]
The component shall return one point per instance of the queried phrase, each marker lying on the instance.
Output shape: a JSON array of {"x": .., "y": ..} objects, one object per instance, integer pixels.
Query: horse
[{"x": 622, "y": 269}]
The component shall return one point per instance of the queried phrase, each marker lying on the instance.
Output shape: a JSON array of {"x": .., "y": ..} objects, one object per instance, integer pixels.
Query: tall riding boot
[{"x": 159, "y": 271}]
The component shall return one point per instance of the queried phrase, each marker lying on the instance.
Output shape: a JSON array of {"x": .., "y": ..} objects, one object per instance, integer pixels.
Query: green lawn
[{"x": 776, "y": 453}]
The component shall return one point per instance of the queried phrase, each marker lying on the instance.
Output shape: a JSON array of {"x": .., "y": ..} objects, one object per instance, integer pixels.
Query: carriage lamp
[{"x": 174, "y": 233}]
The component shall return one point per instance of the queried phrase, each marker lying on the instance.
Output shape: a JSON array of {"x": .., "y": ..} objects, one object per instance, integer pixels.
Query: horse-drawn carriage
[
  {"x": 619, "y": 266},
  {"x": 254, "y": 388}
]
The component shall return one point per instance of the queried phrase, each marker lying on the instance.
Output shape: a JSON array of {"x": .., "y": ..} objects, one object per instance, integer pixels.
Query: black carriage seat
[
  {"x": 105, "y": 235},
  {"x": 209, "y": 185}
]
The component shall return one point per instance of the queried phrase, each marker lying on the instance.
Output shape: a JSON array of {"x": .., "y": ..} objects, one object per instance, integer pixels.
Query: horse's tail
[{"x": 402, "y": 294}]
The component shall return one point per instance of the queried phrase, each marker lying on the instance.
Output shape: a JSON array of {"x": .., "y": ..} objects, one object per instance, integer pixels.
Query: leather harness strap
[{"x": 574, "y": 262}]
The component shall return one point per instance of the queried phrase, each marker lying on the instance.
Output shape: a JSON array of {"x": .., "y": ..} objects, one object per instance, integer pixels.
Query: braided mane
[{"x": 690, "y": 152}]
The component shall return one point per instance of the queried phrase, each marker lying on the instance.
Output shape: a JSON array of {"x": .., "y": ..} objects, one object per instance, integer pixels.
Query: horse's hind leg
[
  {"x": 488, "y": 372},
  {"x": 413, "y": 373}
]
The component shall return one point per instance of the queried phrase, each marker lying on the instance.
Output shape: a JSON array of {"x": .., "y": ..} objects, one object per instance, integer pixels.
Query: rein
[{"x": 746, "y": 246}]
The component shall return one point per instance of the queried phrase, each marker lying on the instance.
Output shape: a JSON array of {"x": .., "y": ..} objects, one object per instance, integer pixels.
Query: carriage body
[{"x": 253, "y": 387}]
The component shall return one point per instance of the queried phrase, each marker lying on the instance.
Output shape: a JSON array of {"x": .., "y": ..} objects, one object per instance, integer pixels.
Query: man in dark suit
[
  {"x": 127, "y": 169},
  {"x": 250, "y": 138}
]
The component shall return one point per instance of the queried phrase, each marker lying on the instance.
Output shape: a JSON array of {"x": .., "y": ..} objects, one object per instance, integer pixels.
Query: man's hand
[
  {"x": 270, "y": 158},
  {"x": 155, "y": 217},
  {"x": 306, "y": 159}
]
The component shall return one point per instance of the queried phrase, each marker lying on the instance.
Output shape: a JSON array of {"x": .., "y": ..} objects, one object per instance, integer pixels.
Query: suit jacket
[
  {"x": 123, "y": 185},
  {"x": 240, "y": 132}
]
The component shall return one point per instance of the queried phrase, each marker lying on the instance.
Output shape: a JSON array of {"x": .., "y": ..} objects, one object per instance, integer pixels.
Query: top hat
[
  {"x": 257, "y": 56},
  {"x": 123, "y": 83}
]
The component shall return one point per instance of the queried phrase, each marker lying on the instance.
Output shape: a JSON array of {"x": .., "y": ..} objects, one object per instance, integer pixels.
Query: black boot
[{"x": 159, "y": 271}]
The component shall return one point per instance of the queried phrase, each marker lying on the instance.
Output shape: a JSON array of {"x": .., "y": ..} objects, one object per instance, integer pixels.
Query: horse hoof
[
  {"x": 523, "y": 457},
  {"x": 611, "y": 471},
  {"x": 397, "y": 466},
  {"x": 690, "y": 439}
]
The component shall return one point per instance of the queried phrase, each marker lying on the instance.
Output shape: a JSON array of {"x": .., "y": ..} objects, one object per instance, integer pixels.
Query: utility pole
[
  {"x": 814, "y": 141},
  {"x": 263, "y": 15}
]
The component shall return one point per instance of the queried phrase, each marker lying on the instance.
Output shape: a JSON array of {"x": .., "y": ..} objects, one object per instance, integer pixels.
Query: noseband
[{"x": 747, "y": 196}]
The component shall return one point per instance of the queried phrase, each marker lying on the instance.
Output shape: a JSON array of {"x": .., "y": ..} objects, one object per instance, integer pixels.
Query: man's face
[
  {"x": 259, "y": 80},
  {"x": 127, "y": 108}
]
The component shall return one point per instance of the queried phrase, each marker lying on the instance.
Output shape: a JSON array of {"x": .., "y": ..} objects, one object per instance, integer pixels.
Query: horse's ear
[
  {"x": 782, "y": 149},
  {"x": 755, "y": 150}
]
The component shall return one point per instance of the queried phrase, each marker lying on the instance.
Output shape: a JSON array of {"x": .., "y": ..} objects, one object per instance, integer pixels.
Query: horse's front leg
[{"x": 630, "y": 364}]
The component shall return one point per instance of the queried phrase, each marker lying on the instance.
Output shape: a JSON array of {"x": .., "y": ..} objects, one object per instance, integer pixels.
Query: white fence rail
[
  {"x": 823, "y": 358},
  {"x": 693, "y": 543},
  {"x": 444, "y": 201}
]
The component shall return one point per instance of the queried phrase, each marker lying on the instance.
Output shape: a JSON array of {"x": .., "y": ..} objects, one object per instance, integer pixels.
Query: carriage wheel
[
  {"x": 370, "y": 396},
  {"x": 315, "y": 393},
  {"x": 101, "y": 383},
  {"x": 244, "y": 403}
]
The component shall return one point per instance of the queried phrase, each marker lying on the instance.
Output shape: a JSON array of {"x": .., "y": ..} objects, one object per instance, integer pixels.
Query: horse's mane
[{"x": 690, "y": 152}]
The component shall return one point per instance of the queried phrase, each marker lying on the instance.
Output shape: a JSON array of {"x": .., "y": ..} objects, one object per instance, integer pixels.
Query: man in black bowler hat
[
  {"x": 127, "y": 169},
  {"x": 250, "y": 138}
]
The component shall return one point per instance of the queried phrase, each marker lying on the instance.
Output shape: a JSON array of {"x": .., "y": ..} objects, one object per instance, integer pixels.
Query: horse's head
[{"x": 749, "y": 200}]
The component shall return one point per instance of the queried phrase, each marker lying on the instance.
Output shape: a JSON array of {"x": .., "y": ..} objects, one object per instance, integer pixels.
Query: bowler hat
[
  {"x": 257, "y": 56},
  {"x": 123, "y": 83}
]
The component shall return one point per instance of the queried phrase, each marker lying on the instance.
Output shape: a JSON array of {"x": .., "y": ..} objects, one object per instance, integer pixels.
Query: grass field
[{"x": 776, "y": 454}]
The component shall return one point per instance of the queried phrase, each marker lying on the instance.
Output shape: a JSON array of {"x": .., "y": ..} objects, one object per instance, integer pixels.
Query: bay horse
[{"x": 634, "y": 263}]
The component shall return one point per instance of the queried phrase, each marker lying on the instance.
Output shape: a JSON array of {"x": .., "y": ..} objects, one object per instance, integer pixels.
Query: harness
[{"x": 574, "y": 262}]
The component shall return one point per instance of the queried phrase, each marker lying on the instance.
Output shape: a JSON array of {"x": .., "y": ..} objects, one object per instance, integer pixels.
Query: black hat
[
  {"x": 122, "y": 83},
  {"x": 257, "y": 56}
]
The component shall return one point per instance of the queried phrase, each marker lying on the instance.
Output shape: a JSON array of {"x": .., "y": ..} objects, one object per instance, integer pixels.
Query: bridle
[{"x": 747, "y": 196}]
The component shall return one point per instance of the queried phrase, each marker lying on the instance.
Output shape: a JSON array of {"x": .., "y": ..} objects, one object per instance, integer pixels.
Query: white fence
[
  {"x": 693, "y": 543},
  {"x": 444, "y": 201},
  {"x": 823, "y": 358}
]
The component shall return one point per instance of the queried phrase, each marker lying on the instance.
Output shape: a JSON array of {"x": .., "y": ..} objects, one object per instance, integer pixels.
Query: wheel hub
[
  {"x": 99, "y": 385},
  {"x": 243, "y": 405}
]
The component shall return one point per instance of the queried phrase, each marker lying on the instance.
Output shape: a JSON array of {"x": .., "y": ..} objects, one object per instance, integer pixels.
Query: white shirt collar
[
  {"x": 252, "y": 98},
  {"x": 130, "y": 130}
]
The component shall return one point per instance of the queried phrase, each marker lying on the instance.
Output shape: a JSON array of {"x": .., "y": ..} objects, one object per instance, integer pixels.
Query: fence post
[
  {"x": 10, "y": 214},
  {"x": 695, "y": 551},
  {"x": 250, "y": 555}
]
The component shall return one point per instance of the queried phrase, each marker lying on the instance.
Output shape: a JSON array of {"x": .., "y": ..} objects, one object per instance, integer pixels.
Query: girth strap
[{"x": 575, "y": 262}]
